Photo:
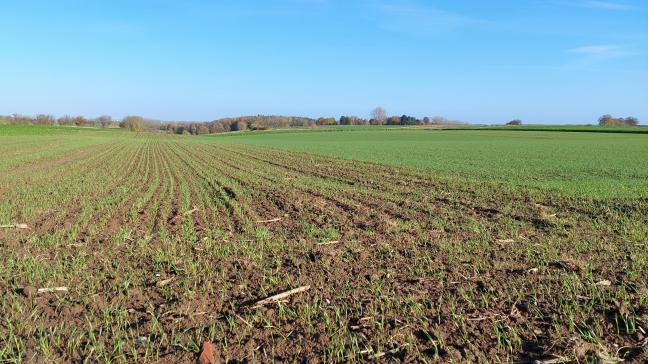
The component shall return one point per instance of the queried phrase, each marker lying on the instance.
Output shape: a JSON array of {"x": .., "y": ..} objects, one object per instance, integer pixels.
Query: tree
[
  {"x": 80, "y": 121},
  {"x": 631, "y": 121},
  {"x": 379, "y": 115},
  {"x": 393, "y": 120},
  {"x": 515, "y": 122},
  {"x": 257, "y": 125},
  {"x": 239, "y": 126},
  {"x": 21, "y": 119},
  {"x": 104, "y": 121},
  {"x": 605, "y": 120},
  {"x": 202, "y": 129},
  {"x": 65, "y": 120},
  {"x": 45, "y": 119},
  {"x": 132, "y": 123},
  {"x": 408, "y": 120},
  {"x": 349, "y": 120},
  {"x": 326, "y": 121},
  {"x": 608, "y": 120},
  {"x": 216, "y": 127}
]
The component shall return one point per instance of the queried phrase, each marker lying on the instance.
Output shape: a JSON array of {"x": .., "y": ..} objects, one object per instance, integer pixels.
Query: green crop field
[
  {"x": 591, "y": 164},
  {"x": 342, "y": 245},
  {"x": 25, "y": 130}
]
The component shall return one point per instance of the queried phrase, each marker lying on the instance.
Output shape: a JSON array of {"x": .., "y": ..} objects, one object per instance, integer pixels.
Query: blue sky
[{"x": 551, "y": 61}]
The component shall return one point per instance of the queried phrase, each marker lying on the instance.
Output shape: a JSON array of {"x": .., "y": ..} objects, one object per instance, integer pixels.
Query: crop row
[{"x": 165, "y": 242}]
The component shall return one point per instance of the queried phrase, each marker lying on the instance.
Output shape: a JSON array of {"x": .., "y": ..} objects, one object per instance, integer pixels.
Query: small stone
[
  {"x": 29, "y": 291},
  {"x": 77, "y": 309}
]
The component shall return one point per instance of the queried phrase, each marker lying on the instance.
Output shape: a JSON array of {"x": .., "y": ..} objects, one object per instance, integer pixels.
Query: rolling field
[
  {"x": 590, "y": 164},
  {"x": 457, "y": 246}
]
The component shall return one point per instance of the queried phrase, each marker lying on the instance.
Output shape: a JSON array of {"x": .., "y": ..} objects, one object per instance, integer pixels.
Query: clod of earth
[
  {"x": 29, "y": 291},
  {"x": 164, "y": 282},
  {"x": 209, "y": 354}
]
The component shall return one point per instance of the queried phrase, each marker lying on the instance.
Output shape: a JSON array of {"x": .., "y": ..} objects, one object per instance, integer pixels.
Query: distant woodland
[{"x": 258, "y": 122}]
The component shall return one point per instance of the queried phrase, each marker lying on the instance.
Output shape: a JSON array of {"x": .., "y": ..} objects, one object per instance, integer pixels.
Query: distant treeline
[
  {"x": 259, "y": 122},
  {"x": 263, "y": 122},
  {"x": 104, "y": 121},
  {"x": 609, "y": 120}
]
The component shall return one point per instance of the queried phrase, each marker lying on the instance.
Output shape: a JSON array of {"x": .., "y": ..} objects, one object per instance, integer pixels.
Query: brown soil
[{"x": 402, "y": 266}]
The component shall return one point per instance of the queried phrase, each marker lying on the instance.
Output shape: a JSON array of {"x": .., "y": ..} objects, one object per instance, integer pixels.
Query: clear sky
[{"x": 543, "y": 61}]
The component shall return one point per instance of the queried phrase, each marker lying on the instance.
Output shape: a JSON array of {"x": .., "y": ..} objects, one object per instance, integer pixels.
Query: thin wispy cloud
[
  {"x": 608, "y": 5},
  {"x": 422, "y": 19},
  {"x": 602, "y": 51},
  {"x": 595, "y": 4},
  {"x": 311, "y": 1}
]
